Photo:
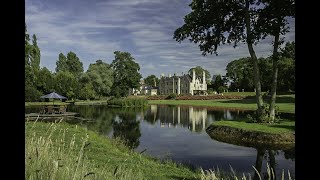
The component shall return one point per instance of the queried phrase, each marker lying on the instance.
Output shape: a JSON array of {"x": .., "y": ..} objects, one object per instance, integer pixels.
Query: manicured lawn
[
  {"x": 249, "y": 104},
  {"x": 284, "y": 126}
]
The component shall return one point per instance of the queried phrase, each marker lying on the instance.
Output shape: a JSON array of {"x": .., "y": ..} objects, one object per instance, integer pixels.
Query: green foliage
[
  {"x": 152, "y": 80},
  {"x": 199, "y": 73},
  {"x": 128, "y": 102},
  {"x": 87, "y": 92},
  {"x": 241, "y": 74},
  {"x": 221, "y": 89},
  {"x": 71, "y": 64},
  {"x": 64, "y": 151},
  {"x": 45, "y": 81},
  {"x": 218, "y": 82},
  {"x": 67, "y": 84},
  {"x": 100, "y": 76},
  {"x": 265, "y": 116},
  {"x": 126, "y": 73},
  {"x": 31, "y": 94},
  {"x": 61, "y": 64},
  {"x": 171, "y": 96}
]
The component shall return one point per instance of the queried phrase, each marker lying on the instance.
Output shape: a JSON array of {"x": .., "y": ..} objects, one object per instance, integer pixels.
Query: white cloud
[{"x": 142, "y": 27}]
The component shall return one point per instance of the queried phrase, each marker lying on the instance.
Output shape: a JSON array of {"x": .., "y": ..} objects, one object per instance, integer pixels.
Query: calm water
[{"x": 178, "y": 133}]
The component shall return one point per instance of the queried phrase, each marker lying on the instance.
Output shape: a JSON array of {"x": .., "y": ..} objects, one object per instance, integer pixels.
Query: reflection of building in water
[{"x": 174, "y": 116}]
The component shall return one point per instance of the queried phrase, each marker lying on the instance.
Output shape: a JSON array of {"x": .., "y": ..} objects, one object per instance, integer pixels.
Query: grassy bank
[
  {"x": 248, "y": 104},
  {"x": 62, "y": 151},
  {"x": 44, "y": 103},
  {"x": 284, "y": 126}
]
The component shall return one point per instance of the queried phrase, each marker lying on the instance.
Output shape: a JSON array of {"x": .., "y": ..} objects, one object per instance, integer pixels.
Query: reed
[{"x": 128, "y": 102}]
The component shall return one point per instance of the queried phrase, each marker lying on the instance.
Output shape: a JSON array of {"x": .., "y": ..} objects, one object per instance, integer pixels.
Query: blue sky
[{"x": 94, "y": 29}]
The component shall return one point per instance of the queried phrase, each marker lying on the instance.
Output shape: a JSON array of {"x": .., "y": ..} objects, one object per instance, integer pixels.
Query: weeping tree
[{"x": 215, "y": 22}]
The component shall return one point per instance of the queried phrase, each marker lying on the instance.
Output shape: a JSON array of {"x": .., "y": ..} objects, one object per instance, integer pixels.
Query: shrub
[{"x": 172, "y": 96}]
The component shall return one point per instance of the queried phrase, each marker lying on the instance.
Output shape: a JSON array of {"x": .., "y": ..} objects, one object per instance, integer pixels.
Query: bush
[
  {"x": 171, "y": 96},
  {"x": 127, "y": 102}
]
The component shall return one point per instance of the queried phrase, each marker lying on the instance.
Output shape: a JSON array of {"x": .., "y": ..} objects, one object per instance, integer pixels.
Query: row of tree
[
  {"x": 69, "y": 79},
  {"x": 240, "y": 71}
]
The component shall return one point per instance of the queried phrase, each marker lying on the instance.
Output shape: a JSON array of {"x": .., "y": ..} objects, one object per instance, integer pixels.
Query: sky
[{"x": 94, "y": 29}]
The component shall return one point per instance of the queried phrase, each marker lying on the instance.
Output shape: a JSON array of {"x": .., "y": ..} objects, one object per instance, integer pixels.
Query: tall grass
[
  {"x": 128, "y": 102},
  {"x": 218, "y": 175},
  {"x": 59, "y": 158}
]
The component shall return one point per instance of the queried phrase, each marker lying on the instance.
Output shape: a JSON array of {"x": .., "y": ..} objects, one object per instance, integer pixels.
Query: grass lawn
[
  {"x": 249, "y": 104},
  {"x": 69, "y": 151},
  {"x": 284, "y": 126},
  {"x": 44, "y": 103}
]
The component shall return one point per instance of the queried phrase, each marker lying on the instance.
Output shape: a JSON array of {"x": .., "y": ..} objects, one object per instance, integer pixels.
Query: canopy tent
[{"x": 53, "y": 96}]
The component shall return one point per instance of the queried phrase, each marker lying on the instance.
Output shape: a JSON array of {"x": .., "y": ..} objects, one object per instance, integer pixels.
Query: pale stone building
[{"x": 184, "y": 84}]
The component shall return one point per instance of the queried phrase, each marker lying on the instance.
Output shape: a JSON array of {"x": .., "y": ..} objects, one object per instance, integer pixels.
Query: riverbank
[
  {"x": 254, "y": 134},
  {"x": 62, "y": 150},
  {"x": 245, "y": 104}
]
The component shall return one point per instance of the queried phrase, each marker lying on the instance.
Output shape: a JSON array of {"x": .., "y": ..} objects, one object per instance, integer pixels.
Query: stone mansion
[{"x": 185, "y": 84}]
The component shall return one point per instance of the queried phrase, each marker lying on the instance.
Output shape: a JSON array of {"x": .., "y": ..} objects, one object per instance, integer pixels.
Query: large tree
[
  {"x": 152, "y": 80},
  {"x": 66, "y": 84},
  {"x": 71, "y": 63},
  {"x": 240, "y": 72},
  {"x": 126, "y": 73},
  {"x": 273, "y": 20},
  {"x": 32, "y": 61},
  {"x": 199, "y": 70},
  {"x": 213, "y": 23},
  {"x": 101, "y": 76},
  {"x": 61, "y": 64}
]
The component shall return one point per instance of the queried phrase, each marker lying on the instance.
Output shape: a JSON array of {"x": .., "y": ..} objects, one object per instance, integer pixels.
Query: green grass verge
[
  {"x": 248, "y": 104},
  {"x": 44, "y": 103},
  {"x": 90, "y": 102},
  {"x": 285, "y": 126},
  {"x": 55, "y": 151}
]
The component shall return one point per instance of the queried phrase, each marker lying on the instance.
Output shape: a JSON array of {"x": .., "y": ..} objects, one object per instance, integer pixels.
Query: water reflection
[
  {"x": 196, "y": 119},
  {"x": 178, "y": 133},
  {"x": 126, "y": 127},
  {"x": 263, "y": 152}
]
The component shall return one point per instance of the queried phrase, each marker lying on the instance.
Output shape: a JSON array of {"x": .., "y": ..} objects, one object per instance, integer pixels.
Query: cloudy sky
[{"x": 94, "y": 29}]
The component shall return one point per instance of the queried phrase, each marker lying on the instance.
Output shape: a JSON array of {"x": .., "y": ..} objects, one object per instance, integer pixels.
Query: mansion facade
[{"x": 184, "y": 84}]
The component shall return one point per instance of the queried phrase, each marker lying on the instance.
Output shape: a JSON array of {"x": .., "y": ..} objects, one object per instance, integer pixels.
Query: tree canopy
[
  {"x": 151, "y": 80},
  {"x": 71, "y": 63},
  {"x": 126, "y": 73},
  {"x": 101, "y": 77},
  {"x": 199, "y": 73}
]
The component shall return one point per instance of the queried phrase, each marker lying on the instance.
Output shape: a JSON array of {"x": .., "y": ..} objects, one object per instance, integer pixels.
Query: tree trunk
[
  {"x": 275, "y": 58},
  {"x": 256, "y": 72}
]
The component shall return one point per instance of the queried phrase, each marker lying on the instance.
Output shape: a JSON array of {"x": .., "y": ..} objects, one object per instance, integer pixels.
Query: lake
[{"x": 178, "y": 133}]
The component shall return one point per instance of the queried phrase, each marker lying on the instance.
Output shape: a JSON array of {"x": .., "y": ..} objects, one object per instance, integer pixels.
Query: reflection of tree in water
[
  {"x": 267, "y": 152},
  {"x": 269, "y": 155},
  {"x": 99, "y": 116},
  {"x": 127, "y": 127},
  {"x": 290, "y": 153}
]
